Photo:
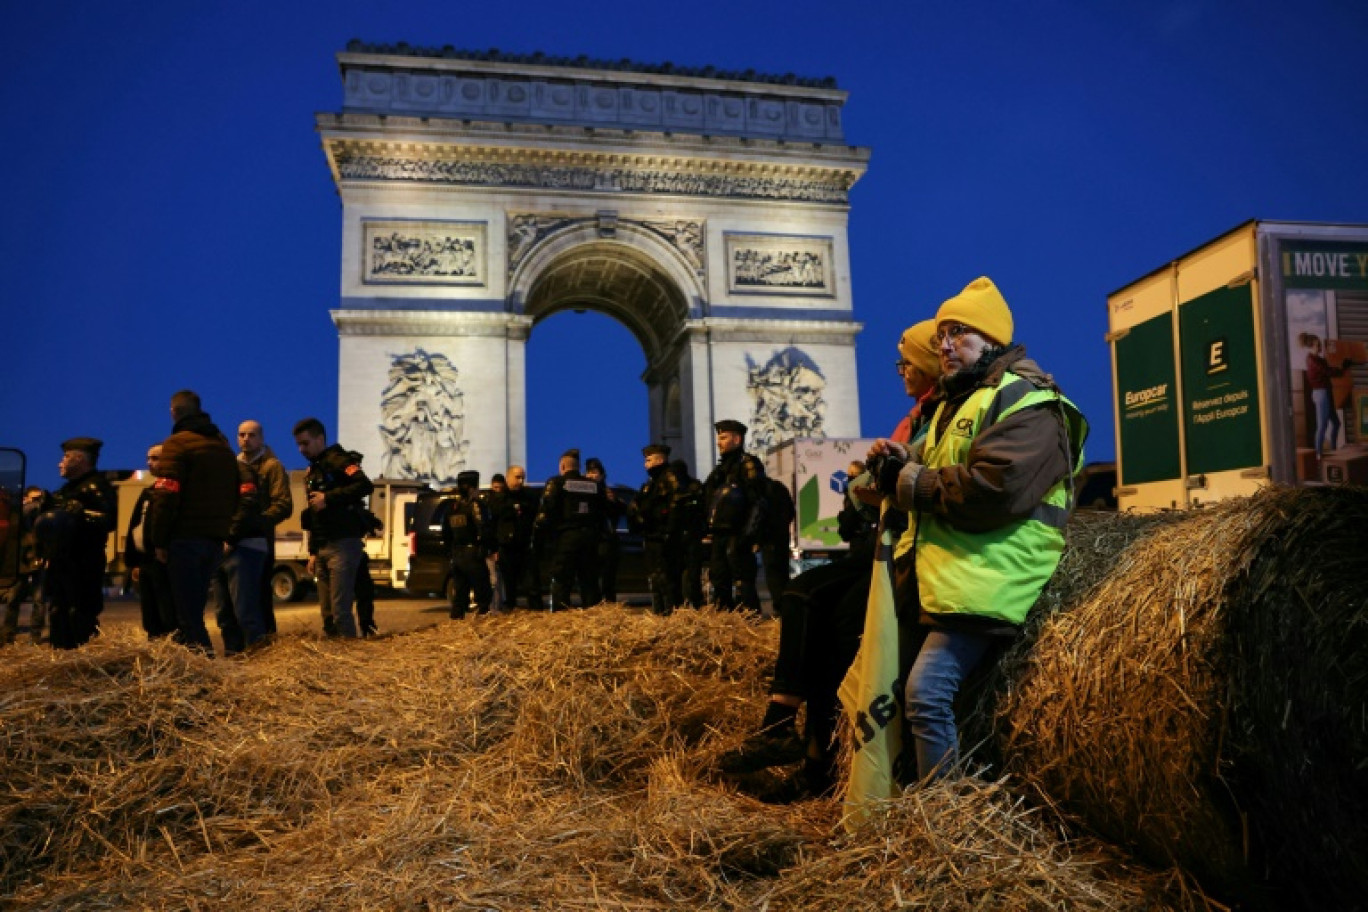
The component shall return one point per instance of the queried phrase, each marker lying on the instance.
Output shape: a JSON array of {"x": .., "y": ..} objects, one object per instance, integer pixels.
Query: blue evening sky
[{"x": 170, "y": 221}]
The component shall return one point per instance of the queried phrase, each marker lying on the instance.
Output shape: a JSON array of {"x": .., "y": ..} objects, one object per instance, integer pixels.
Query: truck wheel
[{"x": 285, "y": 585}]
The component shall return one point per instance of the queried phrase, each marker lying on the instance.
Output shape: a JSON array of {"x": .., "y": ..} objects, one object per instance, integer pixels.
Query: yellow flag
[{"x": 869, "y": 693}]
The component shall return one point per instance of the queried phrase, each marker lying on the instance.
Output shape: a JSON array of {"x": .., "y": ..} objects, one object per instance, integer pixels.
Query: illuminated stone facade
[{"x": 481, "y": 194}]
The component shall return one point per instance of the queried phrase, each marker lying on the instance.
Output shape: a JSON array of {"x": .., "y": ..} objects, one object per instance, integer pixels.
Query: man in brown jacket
[{"x": 192, "y": 506}]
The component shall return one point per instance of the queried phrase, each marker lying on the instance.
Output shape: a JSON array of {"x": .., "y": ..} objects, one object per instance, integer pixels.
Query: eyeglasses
[{"x": 951, "y": 332}]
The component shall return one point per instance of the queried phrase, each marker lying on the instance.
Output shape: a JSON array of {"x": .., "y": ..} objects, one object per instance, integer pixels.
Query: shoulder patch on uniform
[
  {"x": 352, "y": 469},
  {"x": 167, "y": 484}
]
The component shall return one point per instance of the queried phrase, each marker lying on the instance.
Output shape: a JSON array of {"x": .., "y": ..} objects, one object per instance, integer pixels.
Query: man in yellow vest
[{"x": 989, "y": 497}]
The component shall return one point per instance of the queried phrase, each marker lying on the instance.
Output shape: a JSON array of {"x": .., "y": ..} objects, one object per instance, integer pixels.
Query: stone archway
[
  {"x": 704, "y": 211},
  {"x": 627, "y": 272}
]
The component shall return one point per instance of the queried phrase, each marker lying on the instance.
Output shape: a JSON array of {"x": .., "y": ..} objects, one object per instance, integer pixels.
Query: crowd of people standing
[{"x": 203, "y": 532}]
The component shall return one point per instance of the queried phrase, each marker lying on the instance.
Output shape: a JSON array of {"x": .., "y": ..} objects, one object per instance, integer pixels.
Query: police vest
[
  {"x": 463, "y": 525},
  {"x": 996, "y": 574},
  {"x": 582, "y": 501}
]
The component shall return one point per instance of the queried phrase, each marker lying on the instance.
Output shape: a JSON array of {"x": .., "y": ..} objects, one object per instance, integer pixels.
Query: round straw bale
[{"x": 1203, "y": 701}]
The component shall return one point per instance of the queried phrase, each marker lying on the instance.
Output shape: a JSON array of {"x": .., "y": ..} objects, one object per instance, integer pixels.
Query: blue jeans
[
  {"x": 237, "y": 593},
  {"x": 338, "y": 562},
  {"x": 945, "y": 659},
  {"x": 1327, "y": 418},
  {"x": 190, "y": 565}
]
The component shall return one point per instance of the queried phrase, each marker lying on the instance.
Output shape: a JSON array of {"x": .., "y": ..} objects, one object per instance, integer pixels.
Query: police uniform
[
  {"x": 734, "y": 495},
  {"x": 466, "y": 532},
  {"x": 513, "y": 513},
  {"x": 336, "y": 533},
  {"x": 688, "y": 528},
  {"x": 74, "y": 580},
  {"x": 649, "y": 515},
  {"x": 572, "y": 515}
]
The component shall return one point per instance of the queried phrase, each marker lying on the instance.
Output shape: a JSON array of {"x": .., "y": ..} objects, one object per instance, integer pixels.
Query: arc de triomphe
[{"x": 482, "y": 193}]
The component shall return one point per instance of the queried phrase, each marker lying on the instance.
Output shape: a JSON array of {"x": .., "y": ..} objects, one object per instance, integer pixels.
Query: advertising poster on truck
[
  {"x": 1220, "y": 363},
  {"x": 815, "y": 471},
  {"x": 1243, "y": 363},
  {"x": 1325, "y": 290},
  {"x": 1149, "y": 411}
]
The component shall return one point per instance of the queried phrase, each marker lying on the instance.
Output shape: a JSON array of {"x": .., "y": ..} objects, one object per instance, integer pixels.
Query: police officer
[
  {"x": 514, "y": 512},
  {"x": 573, "y": 511},
  {"x": 609, "y": 548},
  {"x": 688, "y": 528},
  {"x": 75, "y": 548},
  {"x": 734, "y": 494},
  {"x": 335, "y": 519},
  {"x": 466, "y": 533},
  {"x": 649, "y": 515}
]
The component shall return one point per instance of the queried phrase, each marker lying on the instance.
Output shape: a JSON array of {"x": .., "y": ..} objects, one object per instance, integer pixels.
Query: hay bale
[
  {"x": 1203, "y": 699},
  {"x": 524, "y": 762}
]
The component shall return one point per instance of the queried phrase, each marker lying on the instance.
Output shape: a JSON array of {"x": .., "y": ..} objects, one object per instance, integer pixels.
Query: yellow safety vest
[{"x": 996, "y": 574}]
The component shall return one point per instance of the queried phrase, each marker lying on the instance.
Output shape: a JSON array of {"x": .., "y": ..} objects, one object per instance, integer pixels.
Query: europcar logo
[
  {"x": 1216, "y": 357},
  {"x": 1148, "y": 396}
]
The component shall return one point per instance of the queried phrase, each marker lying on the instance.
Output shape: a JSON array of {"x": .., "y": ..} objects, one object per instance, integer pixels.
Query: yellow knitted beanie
[
  {"x": 918, "y": 346},
  {"x": 982, "y": 307}
]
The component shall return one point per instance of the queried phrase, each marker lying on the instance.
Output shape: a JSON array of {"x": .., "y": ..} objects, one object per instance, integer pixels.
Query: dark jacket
[
  {"x": 688, "y": 518},
  {"x": 571, "y": 501},
  {"x": 1012, "y": 464},
  {"x": 467, "y": 525},
  {"x": 337, "y": 473},
  {"x": 649, "y": 513},
  {"x": 274, "y": 483},
  {"x": 513, "y": 513},
  {"x": 249, "y": 521},
  {"x": 91, "y": 500},
  {"x": 197, "y": 493},
  {"x": 734, "y": 495}
]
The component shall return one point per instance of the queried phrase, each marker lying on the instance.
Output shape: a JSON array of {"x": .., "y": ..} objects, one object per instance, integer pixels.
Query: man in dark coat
[
  {"x": 649, "y": 515},
  {"x": 735, "y": 498},
  {"x": 72, "y": 539},
  {"x": 337, "y": 521},
  {"x": 573, "y": 512},
  {"x": 193, "y": 503},
  {"x": 466, "y": 532}
]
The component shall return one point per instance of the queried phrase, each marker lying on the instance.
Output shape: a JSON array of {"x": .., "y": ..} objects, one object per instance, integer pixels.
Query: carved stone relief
[
  {"x": 443, "y": 253},
  {"x": 786, "y": 398},
  {"x": 357, "y": 165},
  {"x": 422, "y": 419},
  {"x": 779, "y": 264}
]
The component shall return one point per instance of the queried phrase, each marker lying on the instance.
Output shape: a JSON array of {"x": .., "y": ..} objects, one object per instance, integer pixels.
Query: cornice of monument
[
  {"x": 356, "y": 127},
  {"x": 732, "y": 330},
  {"x": 430, "y": 323},
  {"x": 499, "y": 61},
  {"x": 367, "y": 148}
]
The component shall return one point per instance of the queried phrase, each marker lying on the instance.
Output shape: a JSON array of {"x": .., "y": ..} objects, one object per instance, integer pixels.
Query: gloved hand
[{"x": 885, "y": 470}]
